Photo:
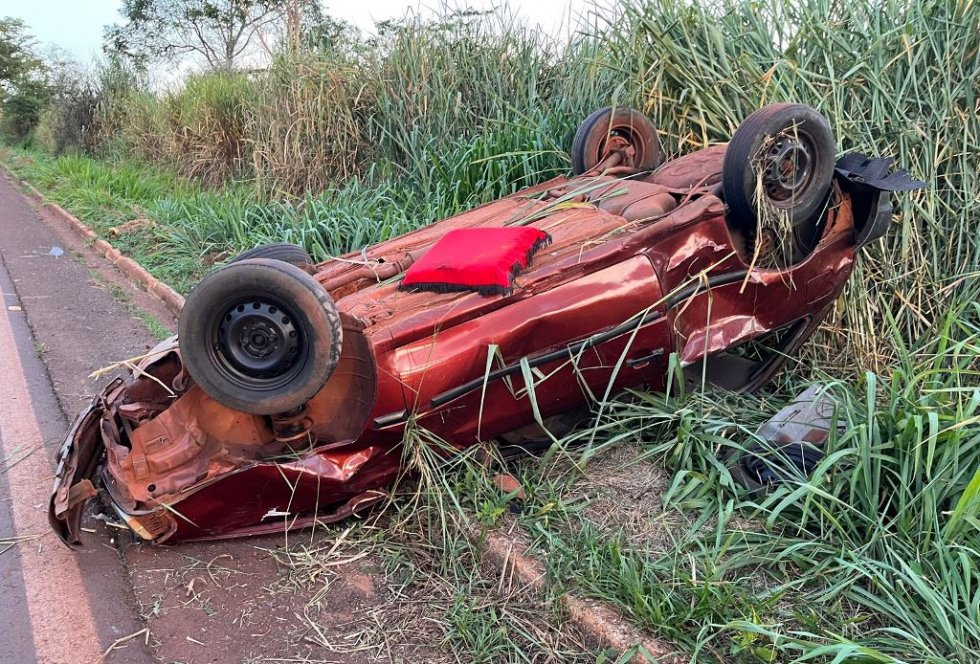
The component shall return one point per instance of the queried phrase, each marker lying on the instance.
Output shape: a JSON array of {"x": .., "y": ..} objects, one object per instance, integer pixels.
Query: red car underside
[{"x": 637, "y": 270}]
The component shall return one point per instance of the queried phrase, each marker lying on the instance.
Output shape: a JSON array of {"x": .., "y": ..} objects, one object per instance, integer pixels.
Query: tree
[
  {"x": 24, "y": 90},
  {"x": 324, "y": 33},
  {"x": 219, "y": 31},
  {"x": 17, "y": 57},
  {"x": 305, "y": 26},
  {"x": 22, "y": 109}
]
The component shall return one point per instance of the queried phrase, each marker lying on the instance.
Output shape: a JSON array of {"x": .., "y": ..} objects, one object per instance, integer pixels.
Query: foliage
[
  {"x": 22, "y": 110},
  {"x": 220, "y": 32},
  {"x": 118, "y": 82},
  {"x": 207, "y": 121},
  {"x": 68, "y": 120},
  {"x": 303, "y": 125},
  {"x": 24, "y": 91},
  {"x": 17, "y": 57}
]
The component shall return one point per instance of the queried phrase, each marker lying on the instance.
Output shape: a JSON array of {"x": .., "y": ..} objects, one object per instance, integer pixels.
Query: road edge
[{"x": 167, "y": 296}]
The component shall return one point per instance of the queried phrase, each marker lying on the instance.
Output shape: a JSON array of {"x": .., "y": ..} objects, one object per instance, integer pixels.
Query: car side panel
[
  {"x": 711, "y": 320},
  {"x": 547, "y": 321}
]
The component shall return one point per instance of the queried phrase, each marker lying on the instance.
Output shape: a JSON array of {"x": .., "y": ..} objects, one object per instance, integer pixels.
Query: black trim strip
[
  {"x": 646, "y": 359},
  {"x": 391, "y": 418},
  {"x": 688, "y": 291}
]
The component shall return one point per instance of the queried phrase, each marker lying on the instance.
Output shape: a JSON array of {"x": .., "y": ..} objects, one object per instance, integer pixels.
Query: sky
[{"x": 76, "y": 25}]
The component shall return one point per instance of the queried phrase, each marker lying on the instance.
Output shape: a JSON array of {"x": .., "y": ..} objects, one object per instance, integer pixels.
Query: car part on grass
[
  {"x": 260, "y": 336},
  {"x": 267, "y": 415},
  {"x": 790, "y": 445},
  {"x": 871, "y": 177},
  {"x": 280, "y": 251},
  {"x": 615, "y": 137}
]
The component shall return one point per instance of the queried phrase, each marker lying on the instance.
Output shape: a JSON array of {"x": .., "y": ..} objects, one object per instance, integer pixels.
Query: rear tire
[
  {"x": 280, "y": 251},
  {"x": 590, "y": 145},
  {"x": 260, "y": 336}
]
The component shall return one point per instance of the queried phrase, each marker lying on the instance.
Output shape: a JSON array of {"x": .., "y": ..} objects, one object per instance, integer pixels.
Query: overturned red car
[{"x": 285, "y": 396}]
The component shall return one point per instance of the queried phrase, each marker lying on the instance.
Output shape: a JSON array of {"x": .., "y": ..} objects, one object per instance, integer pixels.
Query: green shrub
[
  {"x": 23, "y": 109},
  {"x": 207, "y": 120},
  {"x": 68, "y": 121}
]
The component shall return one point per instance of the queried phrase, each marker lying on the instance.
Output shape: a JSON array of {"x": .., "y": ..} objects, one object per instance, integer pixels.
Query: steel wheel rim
[
  {"x": 788, "y": 167},
  {"x": 257, "y": 344}
]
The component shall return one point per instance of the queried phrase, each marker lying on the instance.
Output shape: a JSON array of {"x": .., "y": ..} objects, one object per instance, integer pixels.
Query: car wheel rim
[
  {"x": 257, "y": 344},
  {"x": 787, "y": 167}
]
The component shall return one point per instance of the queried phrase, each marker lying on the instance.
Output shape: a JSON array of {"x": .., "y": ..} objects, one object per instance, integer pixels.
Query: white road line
[{"x": 61, "y": 621}]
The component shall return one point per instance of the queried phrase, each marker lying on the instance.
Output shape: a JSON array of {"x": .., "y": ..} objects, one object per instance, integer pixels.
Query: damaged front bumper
[
  {"x": 254, "y": 498},
  {"x": 79, "y": 461},
  {"x": 77, "y": 458}
]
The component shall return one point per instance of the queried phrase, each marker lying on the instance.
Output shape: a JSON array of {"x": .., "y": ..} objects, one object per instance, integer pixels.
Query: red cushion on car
[{"x": 484, "y": 260}]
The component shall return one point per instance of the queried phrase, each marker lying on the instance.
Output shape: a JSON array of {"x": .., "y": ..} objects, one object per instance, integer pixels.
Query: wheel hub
[
  {"x": 617, "y": 150},
  {"x": 787, "y": 167},
  {"x": 258, "y": 339}
]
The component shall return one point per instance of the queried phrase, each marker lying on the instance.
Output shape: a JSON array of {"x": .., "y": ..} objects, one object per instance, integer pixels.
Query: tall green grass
[
  {"x": 440, "y": 115},
  {"x": 895, "y": 78},
  {"x": 872, "y": 557}
]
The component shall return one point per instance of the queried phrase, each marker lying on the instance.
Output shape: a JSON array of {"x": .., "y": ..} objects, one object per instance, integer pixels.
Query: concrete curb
[
  {"x": 601, "y": 624},
  {"x": 170, "y": 298}
]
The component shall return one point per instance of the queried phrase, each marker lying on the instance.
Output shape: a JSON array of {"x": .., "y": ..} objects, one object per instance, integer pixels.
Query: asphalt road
[
  {"x": 61, "y": 313},
  {"x": 67, "y": 313}
]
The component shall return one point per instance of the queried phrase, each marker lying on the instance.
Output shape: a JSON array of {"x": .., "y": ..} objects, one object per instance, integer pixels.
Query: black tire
[
  {"x": 589, "y": 144},
  {"x": 280, "y": 251},
  {"x": 260, "y": 336},
  {"x": 780, "y": 138}
]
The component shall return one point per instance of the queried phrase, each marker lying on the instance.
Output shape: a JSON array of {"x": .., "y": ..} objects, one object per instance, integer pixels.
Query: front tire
[
  {"x": 779, "y": 167},
  {"x": 260, "y": 336}
]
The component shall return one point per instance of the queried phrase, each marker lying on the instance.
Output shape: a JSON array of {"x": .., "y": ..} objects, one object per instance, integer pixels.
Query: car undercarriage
[{"x": 286, "y": 395}]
